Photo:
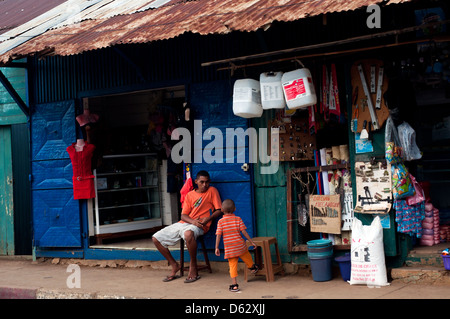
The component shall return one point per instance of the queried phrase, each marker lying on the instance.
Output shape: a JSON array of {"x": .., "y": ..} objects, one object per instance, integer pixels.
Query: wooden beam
[{"x": 328, "y": 44}]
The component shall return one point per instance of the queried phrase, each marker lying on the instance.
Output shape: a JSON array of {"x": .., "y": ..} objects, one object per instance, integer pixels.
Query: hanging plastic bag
[
  {"x": 402, "y": 186},
  {"x": 407, "y": 137},
  {"x": 394, "y": 153},
  {"x": 367, "y": 254},
  {"x": 393, "y": 149},
  {"x": 419, "y": 194}
]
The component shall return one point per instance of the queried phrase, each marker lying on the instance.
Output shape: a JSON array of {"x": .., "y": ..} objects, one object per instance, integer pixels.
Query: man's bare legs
[
  {"x": 166, "y": 253},
  {"x": 191, "y": 244}
]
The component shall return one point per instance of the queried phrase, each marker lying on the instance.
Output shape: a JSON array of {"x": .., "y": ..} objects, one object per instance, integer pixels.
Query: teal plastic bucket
[
  {"x": 320, "y": 248},
  {"x": 319, "y": 243}
]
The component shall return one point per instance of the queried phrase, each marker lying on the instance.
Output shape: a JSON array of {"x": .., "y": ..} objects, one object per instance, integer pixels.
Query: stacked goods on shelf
[
  {"x": 437, "y": 239},
  {"x": 427, "y": 226},
  {"x": 430, "y": 225}
]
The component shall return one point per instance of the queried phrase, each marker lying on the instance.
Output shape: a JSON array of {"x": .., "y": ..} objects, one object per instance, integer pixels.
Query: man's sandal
[
  {"x": 254, "y": 269},
  {"x": 170, "y": 278},
  {"x": 234, "y": 288}
]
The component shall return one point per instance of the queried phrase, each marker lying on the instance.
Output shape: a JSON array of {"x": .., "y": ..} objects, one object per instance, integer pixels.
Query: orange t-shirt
[
  {"x": 198, "y": 205},
  {"x": 230, "y": 226}
]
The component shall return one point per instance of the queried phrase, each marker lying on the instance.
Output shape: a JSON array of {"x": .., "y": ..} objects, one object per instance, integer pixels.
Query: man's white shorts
[{"x": 170, "y": 235}]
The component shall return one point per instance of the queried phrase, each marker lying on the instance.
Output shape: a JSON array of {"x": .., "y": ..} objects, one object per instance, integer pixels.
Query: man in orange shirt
[{"x": 196, "y": 218}]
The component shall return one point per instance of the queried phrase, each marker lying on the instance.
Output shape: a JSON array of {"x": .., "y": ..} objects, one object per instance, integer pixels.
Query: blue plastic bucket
[
  {"x": 321, "y": 268},
  {"x": 320, "y": 254},
  {"x": 446, "y": 260},
  {"x": 344, "y": 266}
]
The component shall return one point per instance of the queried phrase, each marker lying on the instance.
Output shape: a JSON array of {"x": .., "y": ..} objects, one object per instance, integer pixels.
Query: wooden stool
[
  {"x": 207, "y": 265},
  {"x": 267, "y": 268}
]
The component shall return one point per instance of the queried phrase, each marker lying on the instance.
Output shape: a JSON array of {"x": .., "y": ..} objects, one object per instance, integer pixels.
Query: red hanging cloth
[{"x": 83, "y": 180}]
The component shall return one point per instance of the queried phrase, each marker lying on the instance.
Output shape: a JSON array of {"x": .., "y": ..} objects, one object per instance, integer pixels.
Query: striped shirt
[{"x": 230, "y": 227}]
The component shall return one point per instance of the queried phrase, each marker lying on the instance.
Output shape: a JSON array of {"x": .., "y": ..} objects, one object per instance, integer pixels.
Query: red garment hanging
[
  {"x": 187, "y": 187},
  {"x": 83, "y": 180}
]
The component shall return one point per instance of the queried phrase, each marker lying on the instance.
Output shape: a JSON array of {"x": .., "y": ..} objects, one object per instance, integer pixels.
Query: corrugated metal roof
[
  {"x": 70, "y": 13},
  {"x": 111, "y": 22},
  {"x": 14, "y": 13}
]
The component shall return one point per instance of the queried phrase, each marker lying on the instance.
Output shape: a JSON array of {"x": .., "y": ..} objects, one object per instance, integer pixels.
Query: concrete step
[
  {"x": 424, "y": 264},
  {"x": 422, "y": 274},
  {"x": 426, "y": 256}
]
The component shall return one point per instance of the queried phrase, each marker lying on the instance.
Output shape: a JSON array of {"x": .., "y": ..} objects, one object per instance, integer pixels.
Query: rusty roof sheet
[{"x": 174, "y": 18}]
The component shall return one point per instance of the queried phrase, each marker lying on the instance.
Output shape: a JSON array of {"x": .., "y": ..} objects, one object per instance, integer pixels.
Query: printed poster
[{"x": 325, "y": 213}]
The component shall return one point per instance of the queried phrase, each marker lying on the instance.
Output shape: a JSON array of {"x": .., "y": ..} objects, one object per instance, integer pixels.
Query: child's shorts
[{"x": 170, "y": 235}]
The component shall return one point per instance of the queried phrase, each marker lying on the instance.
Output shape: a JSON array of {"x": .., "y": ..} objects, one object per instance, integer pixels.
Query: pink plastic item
[
  {"x": 426, "y": 242},
  {"x": 427, "y": 225}
]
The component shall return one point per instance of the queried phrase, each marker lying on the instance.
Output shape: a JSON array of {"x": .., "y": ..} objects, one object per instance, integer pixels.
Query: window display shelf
[{"x": 127, "y": 195}]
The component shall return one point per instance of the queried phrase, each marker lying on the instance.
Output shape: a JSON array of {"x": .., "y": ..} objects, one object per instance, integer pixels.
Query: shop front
[{"x": 128, "y": 100}]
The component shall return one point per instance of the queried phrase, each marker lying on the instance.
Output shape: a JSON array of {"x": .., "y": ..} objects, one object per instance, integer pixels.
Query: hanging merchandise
[
  {"x": 402, "y": 186},
  {"x": 369, "y": 102},
  {"x": 401, "y": 182},
  {"x": 334, "y": 105},
  {"x": 80, "y": 154},
  {"x": 298, "y": 89},
  {"x": 324, "y": 101},
  {"x": 407, "y": 137},
  {"x": 373, "y": 187},
  {"x": 373, "y": 116},
  {"x": 312, "y": 119},
  {"x": 379, "y": 88},
  {"x": 295, "y": 141},
  {"x": 271, "y": 90},
  {"x": 419, "y": 195},
  {"x": 367, "y": 254},
  {"x": 409, "y": 217},
  {"x": 247, "y": 98}
]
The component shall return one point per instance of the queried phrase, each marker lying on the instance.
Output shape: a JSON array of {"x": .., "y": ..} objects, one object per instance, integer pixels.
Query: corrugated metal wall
[{"x": 179, "y": 59}]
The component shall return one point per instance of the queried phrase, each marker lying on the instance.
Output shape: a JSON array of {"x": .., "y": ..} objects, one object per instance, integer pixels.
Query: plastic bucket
[
  {"x": 319, "y": 243},
  {"x": 344, "y": 266},
  {"x": 320, "y": 255},
  {"x": 320, "y": 248},
  {"x": 446, "y": 259},
  {"x": 321, "y": 268}
]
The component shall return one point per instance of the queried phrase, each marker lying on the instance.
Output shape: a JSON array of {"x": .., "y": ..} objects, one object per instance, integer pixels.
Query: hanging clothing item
[
  {"x": 409, "y": 217},
  {"x": 83, "y": 180},
  {"x": 187, "y": 187}
]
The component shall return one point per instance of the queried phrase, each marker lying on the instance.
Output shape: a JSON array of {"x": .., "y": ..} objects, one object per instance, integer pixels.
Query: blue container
[
  {"x": 319, "y": 243},
  {"x": 320, "y": 254},
  {"x": 345, "y": 266},
  {"x": 321, "y": 268},
  {"x": 320, "y": 248}
]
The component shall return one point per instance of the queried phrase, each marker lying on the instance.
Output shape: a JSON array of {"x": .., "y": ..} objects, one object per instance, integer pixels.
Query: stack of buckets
[{"x": 320, "y": 254}]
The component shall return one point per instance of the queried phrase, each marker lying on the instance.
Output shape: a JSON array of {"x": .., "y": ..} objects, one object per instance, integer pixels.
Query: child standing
[{"x": 230, "y": 226}]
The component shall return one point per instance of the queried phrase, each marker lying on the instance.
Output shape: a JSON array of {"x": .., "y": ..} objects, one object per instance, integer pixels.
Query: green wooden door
[{"x": 6, "y": 193}]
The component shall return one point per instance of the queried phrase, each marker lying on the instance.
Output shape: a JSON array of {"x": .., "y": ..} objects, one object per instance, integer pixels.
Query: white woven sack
[{"x": 367, "y": 254}]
